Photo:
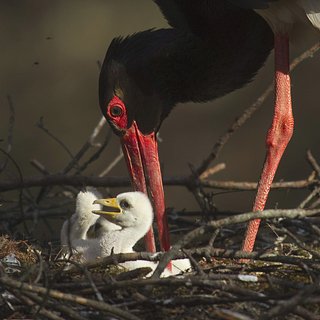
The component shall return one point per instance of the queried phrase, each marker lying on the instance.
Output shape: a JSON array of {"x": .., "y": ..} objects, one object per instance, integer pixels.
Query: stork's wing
[
  {"x": 204, "y": 16},
  {"x": 252, "y": 4}
]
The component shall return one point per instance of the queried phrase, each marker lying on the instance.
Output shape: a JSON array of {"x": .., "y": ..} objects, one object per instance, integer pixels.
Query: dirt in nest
[{"x": 21, "y": 249}]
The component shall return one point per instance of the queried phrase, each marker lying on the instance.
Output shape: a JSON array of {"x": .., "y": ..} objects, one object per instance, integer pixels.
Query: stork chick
[
  {"x": 83, "y": 224},
  {"x": 132, "y": 211}
]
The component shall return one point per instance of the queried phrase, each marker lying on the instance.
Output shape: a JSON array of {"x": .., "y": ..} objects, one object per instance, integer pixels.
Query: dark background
[{"x": 48, "y": 65}]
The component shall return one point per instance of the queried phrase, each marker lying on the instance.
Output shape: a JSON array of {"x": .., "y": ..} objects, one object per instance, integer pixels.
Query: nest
[{"x": 281, "y": 282}]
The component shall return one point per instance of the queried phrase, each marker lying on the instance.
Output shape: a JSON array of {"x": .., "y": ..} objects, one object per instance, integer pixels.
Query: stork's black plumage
[{"x": 212, "y": 48}]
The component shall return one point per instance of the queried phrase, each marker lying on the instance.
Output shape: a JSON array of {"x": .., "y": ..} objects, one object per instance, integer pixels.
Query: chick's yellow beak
[{"x": 110, "y": 207}]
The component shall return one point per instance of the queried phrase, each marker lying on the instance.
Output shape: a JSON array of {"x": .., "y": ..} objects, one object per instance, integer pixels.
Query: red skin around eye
[{"x": 121, "y": 121}]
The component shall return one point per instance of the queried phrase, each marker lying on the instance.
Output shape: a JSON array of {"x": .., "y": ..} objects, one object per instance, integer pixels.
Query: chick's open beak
[{"x": 110, "y": 207}]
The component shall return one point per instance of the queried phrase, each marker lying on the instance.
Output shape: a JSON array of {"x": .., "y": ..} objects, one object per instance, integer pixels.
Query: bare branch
[
  {"x": 213, "y": 225},
  {"x": 186, "y": 181},
  {"x": 10, "y": 132},
  {"x": 247, "y": 114},
  {"x": 40, "y": 125},
  {"x": 102, "y": 306},
  {"x": 112, "y": 164},
  {"x": 89, "y": 143}
]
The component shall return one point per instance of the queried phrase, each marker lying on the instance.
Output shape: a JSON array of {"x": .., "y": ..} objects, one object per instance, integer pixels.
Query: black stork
[{"x": 214, "y": 47}]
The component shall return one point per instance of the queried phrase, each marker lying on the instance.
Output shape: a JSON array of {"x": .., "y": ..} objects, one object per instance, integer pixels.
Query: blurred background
[{"x": 49, "y": 53}]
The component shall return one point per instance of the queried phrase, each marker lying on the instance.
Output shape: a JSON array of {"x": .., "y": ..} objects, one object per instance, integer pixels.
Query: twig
[
  {"x": 305, "y": 314},
  {"x": 44, "y": 312},
  {"x": 89, "y": 143},
  {"x": 266, "y": 214},
  {"x": 37, "y": 279},
  {"x": 186, "y": 181},
  {"x": 97, "y": 154},
  {"x": 116, "y": 160},
  {"x": 10, "y": 132},
  {"x": 213, "y": 170},
  {"x": 247, "y": 114},
  {"x": 39, "y": 166},
  {"x": 283, "y": 307},
  {"x": 313, "y": 162},
  {"x": 21, "y": 182},
  {"x": 187, "y": 281},
  {"x": 102, "y": 306},
  {"x": 213, "y": 237},
  {"x": 197, "y": 253},
  {"x": 194, "y": 263},
  {"x": 57, "y": 306},
  {"x": 41, "y": 126},
  {"x": 93, "y": 285},
  {"x": 238, "y": 123},
  {"x": 300, "y": 243},
  {"x": 314, "y": 192}
]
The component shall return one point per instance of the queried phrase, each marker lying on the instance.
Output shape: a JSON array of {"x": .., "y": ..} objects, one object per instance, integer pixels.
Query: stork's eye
[
  {"x": 116, "y": 111},
  {"x": 124, "y": 204}
]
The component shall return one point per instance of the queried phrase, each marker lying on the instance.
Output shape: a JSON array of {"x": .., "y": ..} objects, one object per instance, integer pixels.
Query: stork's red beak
[{"x": 141, "y": 153}]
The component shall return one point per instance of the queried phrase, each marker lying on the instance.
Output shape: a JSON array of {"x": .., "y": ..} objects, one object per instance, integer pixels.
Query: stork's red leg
[{"x": 278, "y": 136}]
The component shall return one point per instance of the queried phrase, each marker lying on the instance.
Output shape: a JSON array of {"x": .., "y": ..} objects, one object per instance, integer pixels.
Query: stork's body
[{"x": 214, "y": 47}]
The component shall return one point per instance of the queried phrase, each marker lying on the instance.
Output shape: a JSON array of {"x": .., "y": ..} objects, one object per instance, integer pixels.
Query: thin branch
[
  {"x": 21, "y": 182},
  {"x": 213, "y": 170},
  {"x": 213, "y": 225},
  {"x": 57, "y": 306},
  {"x": 300, "y": 243},
  {"x": 102, "y": 306},
  {"x": 315, "y": 192},
  {"x": 112, "y": 164},
  {"x": 87, "y": 145},
  {"x": 313, "y": 162},
  {"x": 184, "y": 181},
  {"x": 247, "y": 114},
  {"x": 288, "y": 306},
  {"x": 29, "y": 302},
  {"x": 10, "y": 132},
  {"x": 41, "y": 126},
  {"x": 39, "y": 166},
  {"x": 97, "y": 154}
]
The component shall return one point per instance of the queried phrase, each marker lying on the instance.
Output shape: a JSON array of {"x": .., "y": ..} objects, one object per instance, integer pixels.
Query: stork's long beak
[
  {"x": 110, "y": 207},
  {"x": 141, "y": 153}
]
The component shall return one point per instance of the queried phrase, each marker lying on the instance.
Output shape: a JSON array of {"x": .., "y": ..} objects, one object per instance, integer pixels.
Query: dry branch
[
  {"x": 247, "y": 114},
  {"x": 213, "y": 225},
  {"x": 102, "y": 306},
  {"x": 184, "y": 181}
]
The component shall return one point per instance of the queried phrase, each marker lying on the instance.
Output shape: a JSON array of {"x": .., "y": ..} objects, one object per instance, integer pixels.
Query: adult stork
[{"x": 214, "y": 47}]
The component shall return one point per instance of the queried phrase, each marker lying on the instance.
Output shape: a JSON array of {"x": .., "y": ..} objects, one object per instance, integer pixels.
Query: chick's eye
[
  {"x": 124, "y": 204},
  {"x": 116, "y": 111}
]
